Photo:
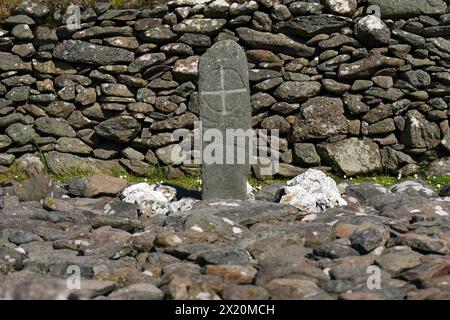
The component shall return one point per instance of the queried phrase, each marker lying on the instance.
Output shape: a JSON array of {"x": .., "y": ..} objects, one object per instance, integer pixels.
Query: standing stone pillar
[{"x": 224, "y": 99}]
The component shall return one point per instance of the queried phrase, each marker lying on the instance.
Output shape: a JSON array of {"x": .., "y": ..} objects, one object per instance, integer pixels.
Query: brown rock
[
  {"x": 234, "y": 273},
  {"x": 103, "y": 185}
]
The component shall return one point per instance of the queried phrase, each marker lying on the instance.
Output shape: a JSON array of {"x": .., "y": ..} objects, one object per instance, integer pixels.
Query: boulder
[
  {"x": 312, "y": 192},
  {"x": 186, "y": 69},
  {"x": 366, "y": 67},
  {"x": 204, "y": 26},
  {"x": 276, "y": 122},
  {"x": 19, "y": 19},
  {"x": 445, "y": 142},
  {"x": 22, "y": 32},
  {"x": 277, "y": 42},
  {"x": 158, "y": 34},
  {"x": 310, "y": 26},
  {"x": 78, "y": 51},
  {"x": 372, "y": 31},
  {"x": 171, "y": 155},
  {"x": 152, "y": 199},
  {"x": 100, "y": 185},
  {"x": 5, "y": 141},
  {"x": 341, "y": 7},
  {"x": 305, "y": 154},
  {"x": 419, "y": 132},
  {"x": 18, "y": 94},
  {"x": 72, "y": 145},
  {"x": 36, "y": 188},
  {"x": 145, "y": 61},
  {"x": 439, "y": 46},
  {"x": 55, "y": 127},
  {"x": 102, "y": 32},
  {"x": 60, "y": 109},
  {"x": 352, "y": 156},
  {"x": 322, "y": 117},
  {"x": 186, "y": 120},
  {"x": 409, "y": 8},
  {"x": 30, "y": 164},
  {"x": 15, "y": 81},
  {"x": 393, "y": 159},
  {"x": 121, "y": 129},
  {"x": 293, "y": 91},
  {"x": 417, "y": 78},
  {"x": 65, "y": 163},
  {"x": 20, "y": 133},
  {"x": 32, "y": 9},
  {"x": 115, "y": 90},
  {"x": 439, "y": 167},
  {"x": 120, "y": 15}
]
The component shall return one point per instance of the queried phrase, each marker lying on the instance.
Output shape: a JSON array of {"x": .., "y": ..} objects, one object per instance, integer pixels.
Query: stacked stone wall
[{"x": 361, "y": 86}]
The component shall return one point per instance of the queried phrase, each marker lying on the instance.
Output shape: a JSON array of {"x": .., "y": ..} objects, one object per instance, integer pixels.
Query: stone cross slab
[{"x": 224, "y": 99}]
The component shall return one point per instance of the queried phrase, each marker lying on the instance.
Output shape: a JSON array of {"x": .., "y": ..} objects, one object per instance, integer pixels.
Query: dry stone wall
[{"x": 360, "y": 86}]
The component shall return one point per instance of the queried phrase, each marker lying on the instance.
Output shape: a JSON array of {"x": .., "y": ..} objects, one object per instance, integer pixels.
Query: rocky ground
[
  {"x": 324, "y": 73},
  {"x": 157, "y": 242}
]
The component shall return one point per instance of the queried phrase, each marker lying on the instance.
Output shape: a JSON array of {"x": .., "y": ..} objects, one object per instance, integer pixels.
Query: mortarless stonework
[{"x": 323, "y": 74}]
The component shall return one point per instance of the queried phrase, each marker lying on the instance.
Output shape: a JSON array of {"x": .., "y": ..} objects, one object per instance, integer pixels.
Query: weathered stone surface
[
  {"x": 32, "y": 9},
  {"x": 55, "y": 127},
  {"x": 18, "y": 94},
  {"x": 186, "y": 120},
  {"x": 5, "y": 141},
  {"x": 366, "y": 67},
  {"x": 372, "y": 31},
  {"x": 269, "y": 41},
  {"x": 30, "y": 164},
  {"x": 322, "y": 117},
  {"x": 60, "y": 109},
  {"x": 309, "y": 26},
  {"x": 72, "y": 145},
  {"x": 103, "y": 185},
  {"x": 83, "y": 52},
  {"x": 20, "y": 133},
  {"x": 305, "y": 154},
  {"x": 352, "y": 156},
  {"x": 418, "y": 132},
  {"x": 22, "y": 32},
  {"x": 171, "y": 155},
  {"x": 439, "y": 167},
  {"x": 341, "y": 7},
  {"x": 120, "y": 129},
  {"x": 225, "y": 104},
  {"x": 417, "y": 78},
  {"x": 102, "y": 32},
  {"x": 145, "y": 61},
  {"x": 66, "y": 163},
  {"x": 312, "y": 192},
  {"x": 369, "y": 236},
  {"x": 186, "y": 69},
  {"x": 407, "y": 8},
  {"x": 293, "y": 91},
  {"x": 19, "y": 19},
  {"x": 204, "y": 26}
]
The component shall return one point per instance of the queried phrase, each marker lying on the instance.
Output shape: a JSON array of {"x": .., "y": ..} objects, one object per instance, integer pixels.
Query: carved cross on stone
[
  {"x": 224, "y": 99},
  {"x": 222, "y": 92}
]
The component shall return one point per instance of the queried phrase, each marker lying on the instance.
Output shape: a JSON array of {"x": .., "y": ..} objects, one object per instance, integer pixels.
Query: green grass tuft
[
  {"x": 14, "y": 174},
  {"x": 69, "y": 174}
]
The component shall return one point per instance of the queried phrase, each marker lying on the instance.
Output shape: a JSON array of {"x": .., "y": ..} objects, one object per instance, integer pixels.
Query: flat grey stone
[
  {"x": 224, "y": 97},
  {"x": 78, "y": 51}
]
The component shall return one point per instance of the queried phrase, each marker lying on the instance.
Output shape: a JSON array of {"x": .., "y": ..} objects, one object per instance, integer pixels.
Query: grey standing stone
[{"x": 224, "y": 104}]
